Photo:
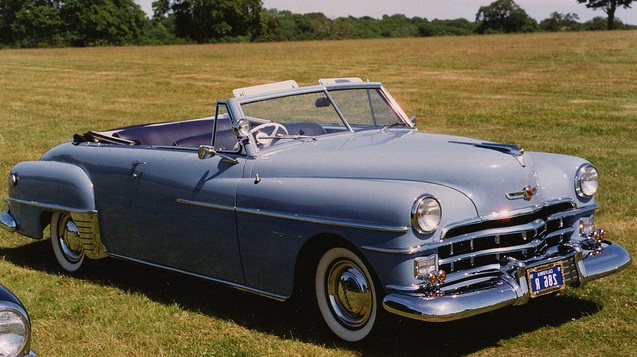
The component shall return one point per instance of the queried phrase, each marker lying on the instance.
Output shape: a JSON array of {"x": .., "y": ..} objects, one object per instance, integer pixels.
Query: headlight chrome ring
[
  {"x": 15, "y": 330},
  {"x": 586, "y": 181},
  {"x": 426, "y": 214}
]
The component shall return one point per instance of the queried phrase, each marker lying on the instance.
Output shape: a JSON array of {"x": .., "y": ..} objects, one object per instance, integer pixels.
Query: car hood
[{"x": 492, "y": 175}]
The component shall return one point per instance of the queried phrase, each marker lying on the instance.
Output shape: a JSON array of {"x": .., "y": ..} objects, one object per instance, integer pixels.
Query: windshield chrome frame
[{"x": 235, "y": 110}]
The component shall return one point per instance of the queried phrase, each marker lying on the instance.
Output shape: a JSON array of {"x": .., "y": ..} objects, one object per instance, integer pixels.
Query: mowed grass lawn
[{"x": 571, "y": 93}]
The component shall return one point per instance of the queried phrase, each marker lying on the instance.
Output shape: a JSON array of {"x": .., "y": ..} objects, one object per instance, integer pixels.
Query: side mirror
[
  {"x": 322, "y": 102},
  {"x": 206, "y": 152}
]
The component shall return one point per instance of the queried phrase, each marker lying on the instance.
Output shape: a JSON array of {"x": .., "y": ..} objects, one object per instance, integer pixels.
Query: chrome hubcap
[
  {"x": 69, "y": 238},
  {"x": 349, "y": 294}
]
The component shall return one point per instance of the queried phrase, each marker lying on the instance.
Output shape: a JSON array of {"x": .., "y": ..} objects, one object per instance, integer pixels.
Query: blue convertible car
[{"x": 329, "y": 188}]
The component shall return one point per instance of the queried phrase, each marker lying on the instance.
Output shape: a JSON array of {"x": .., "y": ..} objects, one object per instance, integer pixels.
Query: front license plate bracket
[{"x": 545, "y": 279}]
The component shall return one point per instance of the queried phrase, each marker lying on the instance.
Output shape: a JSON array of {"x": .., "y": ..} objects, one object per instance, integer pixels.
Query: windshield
[
  {"x": 361, "y": 108},
  {"x": 314, "y": 114}
]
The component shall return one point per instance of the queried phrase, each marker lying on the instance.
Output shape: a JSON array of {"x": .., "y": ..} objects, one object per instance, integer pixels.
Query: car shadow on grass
[{"x": 298, "y": 319}]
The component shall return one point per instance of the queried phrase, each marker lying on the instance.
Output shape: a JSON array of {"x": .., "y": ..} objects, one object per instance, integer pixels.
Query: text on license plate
[{"x": 545, "y": 279}]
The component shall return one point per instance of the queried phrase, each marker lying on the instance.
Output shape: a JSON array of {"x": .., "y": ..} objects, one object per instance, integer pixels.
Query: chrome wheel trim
[
  {"x": 345, "y": 294},
  {"x": 69, "y": 240},
  {"x": 349, "y": 294},
  {"x": 66, "y": 242}
]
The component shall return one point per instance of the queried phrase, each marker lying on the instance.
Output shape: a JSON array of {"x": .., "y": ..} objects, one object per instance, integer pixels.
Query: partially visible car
[{"x": 15, "y": 326}]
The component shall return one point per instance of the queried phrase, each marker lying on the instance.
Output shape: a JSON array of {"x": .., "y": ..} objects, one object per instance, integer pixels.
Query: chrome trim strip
[
  {"x": 274, "y": 296},
  {"x": 206, "y": 205},
  {"x": 326, "y": 221},
  {"x": 51, "y": 206},
  {"x": 292, "y": 217}
]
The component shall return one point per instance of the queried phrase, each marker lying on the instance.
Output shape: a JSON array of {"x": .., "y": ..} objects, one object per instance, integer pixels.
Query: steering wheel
[{"x": 265, "y": 139}]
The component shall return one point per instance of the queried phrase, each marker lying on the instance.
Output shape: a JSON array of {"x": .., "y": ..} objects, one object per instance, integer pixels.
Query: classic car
[
  {"x": 15, "y": 326},
  {"x": 327, "y": 188}
]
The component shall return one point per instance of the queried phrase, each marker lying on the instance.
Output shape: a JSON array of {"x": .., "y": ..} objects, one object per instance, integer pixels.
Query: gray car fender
[{"x": 37, "y": 188}]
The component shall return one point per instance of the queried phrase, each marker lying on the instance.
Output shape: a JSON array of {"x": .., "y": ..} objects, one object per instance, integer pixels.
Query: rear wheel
[
  {"x": 346, "y": 294},
  {"x": 65, "y": 239}
]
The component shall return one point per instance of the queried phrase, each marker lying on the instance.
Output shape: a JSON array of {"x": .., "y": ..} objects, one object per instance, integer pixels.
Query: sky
[{"x": 431, "y": 9}]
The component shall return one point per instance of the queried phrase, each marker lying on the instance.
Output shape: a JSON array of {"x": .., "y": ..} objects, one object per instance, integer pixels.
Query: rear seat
[
  {"x": 198, "y": 132},
  {"x": 166, "y": 133}
]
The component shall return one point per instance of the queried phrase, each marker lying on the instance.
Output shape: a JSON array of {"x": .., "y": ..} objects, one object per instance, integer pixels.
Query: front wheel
[
  {"x": 65, "y": 239},
  {"x": 346, "y": 294}
]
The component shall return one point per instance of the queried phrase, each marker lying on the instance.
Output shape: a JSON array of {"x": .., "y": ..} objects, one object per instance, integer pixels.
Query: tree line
[{"x": 61, "y": 23}]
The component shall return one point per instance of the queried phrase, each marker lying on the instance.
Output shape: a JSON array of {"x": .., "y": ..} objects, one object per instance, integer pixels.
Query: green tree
[
  {"x": 504, "y": 16},
  {"x": 398, "y": 26},
  {"x": 38, "y": 23},
  {"x": 213, "y": 20},
  {"x": 608, "y": 6},
  {"x": 558, "y": 22},
  {"x": 8, "y": 11},
  {"x": 30, "y": 23}
]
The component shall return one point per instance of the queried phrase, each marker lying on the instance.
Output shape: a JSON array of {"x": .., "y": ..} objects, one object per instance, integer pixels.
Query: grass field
[{"x": 572, "y": 93}]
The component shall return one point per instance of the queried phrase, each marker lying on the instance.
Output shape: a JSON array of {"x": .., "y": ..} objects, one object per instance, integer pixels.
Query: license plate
[{"x": 545, "y": 279}]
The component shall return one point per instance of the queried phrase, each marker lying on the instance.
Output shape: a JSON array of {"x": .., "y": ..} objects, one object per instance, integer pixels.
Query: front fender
[
  {"x": 36, "y": 187},
  {"x": 277, "y": 216}
]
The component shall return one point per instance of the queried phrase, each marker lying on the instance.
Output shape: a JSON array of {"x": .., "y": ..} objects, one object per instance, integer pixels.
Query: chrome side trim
[
  {"x": 327, "y": 221},
  {"x": 300, "y": 218},
  {"x": 205, "y": 205},
  {"x": 234, "y": 285},
  {"x": 50, "y": 206}
]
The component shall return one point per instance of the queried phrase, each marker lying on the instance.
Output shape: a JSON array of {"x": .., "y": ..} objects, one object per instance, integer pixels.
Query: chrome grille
[{"x": 522, "y": 238}]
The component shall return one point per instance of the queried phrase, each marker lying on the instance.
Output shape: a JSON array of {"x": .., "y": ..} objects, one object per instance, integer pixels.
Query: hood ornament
[{"x": 511, "y": 149}]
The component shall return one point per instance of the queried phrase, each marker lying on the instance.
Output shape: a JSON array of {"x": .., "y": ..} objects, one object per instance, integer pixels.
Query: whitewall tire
[
  {"x": 65, "y": 239},
  {"x": 346, "y": 294}
]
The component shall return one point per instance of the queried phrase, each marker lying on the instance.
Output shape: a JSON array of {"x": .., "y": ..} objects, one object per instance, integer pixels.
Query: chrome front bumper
[{"x": 510, "y": 288}]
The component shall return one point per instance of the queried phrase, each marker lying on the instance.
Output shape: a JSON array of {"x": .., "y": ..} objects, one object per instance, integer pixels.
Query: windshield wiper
[{"x": 291, "y": 137}]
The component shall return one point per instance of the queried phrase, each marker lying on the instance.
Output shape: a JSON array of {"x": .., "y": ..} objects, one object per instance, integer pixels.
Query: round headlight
[
  {"x": 586, "y": 181},
  {"x": 14, "y": 331},
  {"x": 425, "y": 215}
]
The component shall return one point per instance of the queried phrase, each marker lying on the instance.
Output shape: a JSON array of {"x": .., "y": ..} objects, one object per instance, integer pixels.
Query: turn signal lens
[{"x": 424, "y": 266}]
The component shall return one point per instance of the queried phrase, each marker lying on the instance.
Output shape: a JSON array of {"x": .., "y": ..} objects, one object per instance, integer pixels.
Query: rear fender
[{"x": 37, "y": 188}]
